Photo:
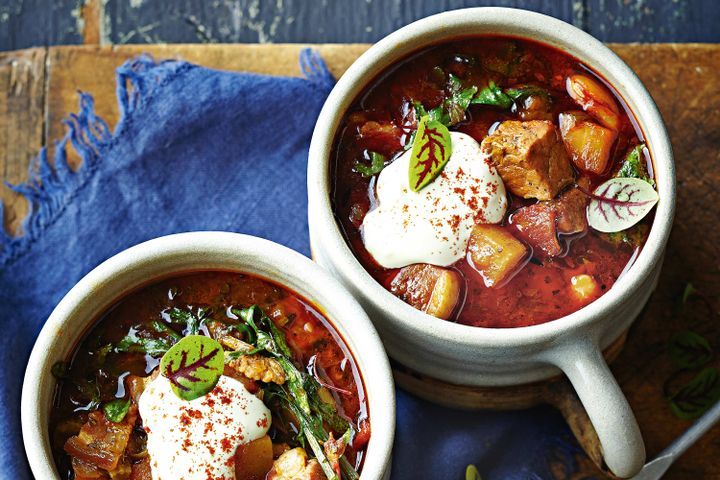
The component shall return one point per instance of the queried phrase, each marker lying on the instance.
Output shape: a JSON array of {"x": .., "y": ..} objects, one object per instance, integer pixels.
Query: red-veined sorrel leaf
[
  {"x": 193, "y": 366},
  {"x": 430, "y": 152},
  {"x": 620, "y": 203}
]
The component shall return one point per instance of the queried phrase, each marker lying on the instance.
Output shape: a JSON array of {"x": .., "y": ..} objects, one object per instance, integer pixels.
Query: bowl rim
[
  {"x": 318, "y": 287},
  {"x": 517, "y": 23}
]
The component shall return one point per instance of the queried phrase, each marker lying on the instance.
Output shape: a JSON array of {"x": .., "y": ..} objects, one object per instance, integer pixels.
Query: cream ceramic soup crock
[
  {"x": 196, "y": 251},
  {"x": 486, "y": 357}
]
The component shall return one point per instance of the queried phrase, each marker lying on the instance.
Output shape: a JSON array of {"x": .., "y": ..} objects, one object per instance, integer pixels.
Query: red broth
[
  {"x": 310, "y": 336},
  {"x": 379, "y": 120}
]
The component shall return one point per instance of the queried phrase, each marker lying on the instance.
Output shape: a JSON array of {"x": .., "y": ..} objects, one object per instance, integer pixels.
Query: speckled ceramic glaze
[
  {"x": 202, "y": 251},
  {"x": 484, "y": 357}
]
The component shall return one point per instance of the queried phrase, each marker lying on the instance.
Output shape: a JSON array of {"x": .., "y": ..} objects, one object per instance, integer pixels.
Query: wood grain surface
[{"x": 38, "y": 88}]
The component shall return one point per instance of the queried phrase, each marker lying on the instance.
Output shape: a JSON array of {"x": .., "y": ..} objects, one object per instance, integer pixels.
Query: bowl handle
[{"x": 608, "y": 409}]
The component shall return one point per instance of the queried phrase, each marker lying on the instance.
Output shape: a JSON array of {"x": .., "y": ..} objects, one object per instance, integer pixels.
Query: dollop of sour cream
[
  {"x": 433, "y": 225},
  {"x": 197, "y": 439}
]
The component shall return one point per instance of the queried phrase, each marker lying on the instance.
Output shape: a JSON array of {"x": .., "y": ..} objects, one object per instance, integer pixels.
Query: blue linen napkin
[{"x": 200, "y": 149}]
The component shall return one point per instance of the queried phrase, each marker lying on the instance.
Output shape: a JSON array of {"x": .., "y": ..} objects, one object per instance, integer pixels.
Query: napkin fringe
[
  {"x": 137, "y": 81},
  {"x": 315, "y": 70},
  {"x": 51, "y": 187}
]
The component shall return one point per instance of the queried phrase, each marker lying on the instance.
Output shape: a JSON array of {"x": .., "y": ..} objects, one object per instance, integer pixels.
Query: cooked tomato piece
[
  {"x": 595, "y": 99},
  {"x": 382, "y": 137},
  {"x": 141, "y": 471},
  {"x": 100, "y": 441}
]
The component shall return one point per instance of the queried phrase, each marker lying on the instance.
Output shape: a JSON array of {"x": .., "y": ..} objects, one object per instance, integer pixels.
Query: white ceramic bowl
[
  {"x": 472, "y": 356},
  {"x": 202, "y": 251}
]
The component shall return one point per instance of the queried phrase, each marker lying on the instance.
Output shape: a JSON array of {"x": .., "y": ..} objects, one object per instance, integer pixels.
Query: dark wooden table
[
  {"x": 31, "y": 23},
  {"x": 38, "y": 88}
]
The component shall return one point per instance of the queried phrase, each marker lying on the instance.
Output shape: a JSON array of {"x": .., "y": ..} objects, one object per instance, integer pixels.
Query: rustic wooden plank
[
  {"x": 680, "y": 77},
  {"x": 22, "y": 95},
  {"x": 682, "y": 80}
]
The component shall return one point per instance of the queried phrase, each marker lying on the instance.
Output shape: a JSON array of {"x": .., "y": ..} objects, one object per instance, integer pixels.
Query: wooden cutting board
[{"x": 38, "y": 88}]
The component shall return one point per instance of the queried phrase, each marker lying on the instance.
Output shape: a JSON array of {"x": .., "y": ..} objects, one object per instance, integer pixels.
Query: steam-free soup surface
[
  {"x": 123, "y": 349},
  {"x": 538, "y": 105}
]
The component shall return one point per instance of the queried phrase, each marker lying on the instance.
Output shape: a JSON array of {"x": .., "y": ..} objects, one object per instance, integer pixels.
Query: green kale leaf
[
  {"x": 377, "y": 163},
  {"x": 633, "y": 166},
  {"x": 116, "y": 410},
  {"x": 494, "y": 96}
]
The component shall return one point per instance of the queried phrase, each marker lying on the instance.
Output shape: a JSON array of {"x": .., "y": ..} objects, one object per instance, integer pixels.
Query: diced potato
[
  {"x": 495, "y": 254},
  {"x": 445, "y": 295},
  {"x": 584, "y": 287},
  {"x": 383, "y": 137},
  {"x": 595, "y": 99},
  {"x": 530, "y": 157},
  {"x": 433, "y": 290},
  {"x": 588, "y": 143},
  {"x": 253, "y": 460}
]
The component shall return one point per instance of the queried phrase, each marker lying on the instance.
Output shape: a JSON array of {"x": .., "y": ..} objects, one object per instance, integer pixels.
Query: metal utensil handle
[{"x": 693, "y": 434}]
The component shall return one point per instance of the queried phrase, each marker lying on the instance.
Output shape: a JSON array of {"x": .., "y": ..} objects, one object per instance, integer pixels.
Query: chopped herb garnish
[
  {"x": 328, "y": 412},
  {"x": 298, "y": 393},
  {"x": 160, "y": 327},
  {"x": 527, "y": 91},
  {"x": 116, "y": 410},
  {"x": 633, "y": 166},
  {"x": 102, "y": 353},
  {"x": 494, "y": 96},
  {"x": 633, "y": 236},
  {"x": 459, "y": 101},
  {"x": 152, "y": 346},
  {"x": 377, "y": 163},
  {"x": 191, "y": 321},
  {"x": 452, "y": 110}
]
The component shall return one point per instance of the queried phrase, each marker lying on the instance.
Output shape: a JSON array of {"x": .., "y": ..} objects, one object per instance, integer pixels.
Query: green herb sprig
[{"x": 301, "y": 401}]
